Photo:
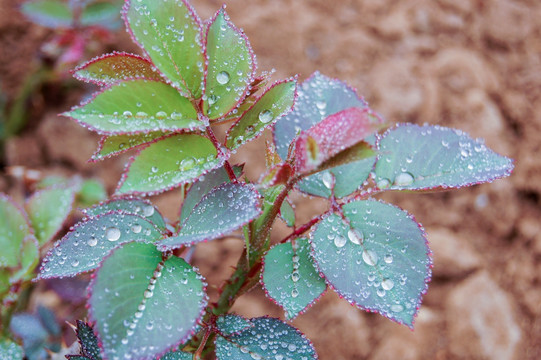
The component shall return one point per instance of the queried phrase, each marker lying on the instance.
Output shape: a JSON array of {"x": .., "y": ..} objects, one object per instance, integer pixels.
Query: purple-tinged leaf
[
  {"x": 15, "y": 228},
  {"x": 88, "y": 341},
  {"x": 133, "y": 296},
  {"x": 273, "y": 104},
  {"x": 130, "y": 205},
  {"x": 332, "y": 136},
  {"x": 377, "y": 259},
  {"x": 277, "y": 175},
  {"x": 117, "y": 144},
  {"x": 230, "y": 66},
  {"x": 169, "y": 163},
  {"x": 85, "y": 246},
  {"x": 10, "y": 350},
  {"x": 102, "y": 13},
  {"x": 48, "y": 13},
  {"x": 268, "y": 339},
  {"x": 224, "y": 209},
  {"x": 111, "y": 68},
  {"x": 137, "y": 106},
  {"x": 290, "y": 277},
  {"x": 202, "y": 187},
  {"x": 47, "y": 210},
  {"x": 427, "y": 157},
  {"x": 170, "y": 33},
  {"x": 232, "y": 324}
]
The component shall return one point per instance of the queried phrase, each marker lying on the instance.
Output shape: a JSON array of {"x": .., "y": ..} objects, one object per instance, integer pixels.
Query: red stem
[
  {"x": 298, "y": 231},
  {"x": 218, "y": 146},
  {"x": 197, "y": 355}
]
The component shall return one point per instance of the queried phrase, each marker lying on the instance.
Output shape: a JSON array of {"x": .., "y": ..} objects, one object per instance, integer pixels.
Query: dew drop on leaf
[
  {"x": 161, "y": 115},
  {"x": 383, "y": 183},
  {"x": 403, "y": 179},
  {"x": 388, "y": 258},
  {"x": 265, "y": 116},
  {"x": 222, "y": 77},
  {"x": 136, "y": 228},
  {"x": 340, "y": 241},
  {"x": 370, "y": 257},
  {"x": 187, "y": 164},
  {"x": 112, "y": 234},
  {"x": 148, "y": 211},
  {"x": 328, "y": 180},
  {"x": 355, "y": 236},
  {"x": 321, "y": 105},
  {"x": 294, "y": 293},
  {"x": 92, "y": 241},
  {"x": 397, "y": 308}
]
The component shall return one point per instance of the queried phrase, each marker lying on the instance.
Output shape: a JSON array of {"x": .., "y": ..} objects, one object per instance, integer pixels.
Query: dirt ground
[{"x": 469, "y": 64}]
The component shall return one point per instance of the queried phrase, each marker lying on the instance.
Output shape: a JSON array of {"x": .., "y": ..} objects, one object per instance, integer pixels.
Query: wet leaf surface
[
  {"x": 10, "y": 350},
  {"x": 232, "y": 324},
  {"x": 15, "y": 228}
]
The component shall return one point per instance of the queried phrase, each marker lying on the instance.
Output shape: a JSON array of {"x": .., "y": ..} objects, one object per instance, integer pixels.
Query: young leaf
[
  {"x": 85, "y": 246},
  {"x": 287, "y": 213},
  {"x": 133, "y": 296},
  {"x": 88, "y": 341},
  {"x": 232, "y": 324},
  {"x": 10, "y": 350},
  {"x": 378, "y": 259},
  {"x": 129, "y": 205},
  {"x": 113, "y": 145},
  {"x": 170, "y": 33},
  {"x": 202, "y": 187},
  {"x": 48, "y": 13},
  {"x": 92, "y": 192},
  {"x": 15, "y": 228},
  {"x": 171, "y": 162},
  {"x": 268, "y": 339},
  {"x": 111, "y": 68},
  {"x": 47, "y": 210},
  {"x": 101, "y": 13},
  {"x": 332, "y": 136},
  {"x": 231, "y": 66},
  {"x": 273, "y": 104},
  {"x": 290, "y": 278},
  {"x": 29, "y": 259},
  {"x": 224, "y": 209},
  {"x": 277, "y": 175},
  {"x": 430, "y": 157},
  {"x": 137, "y": 106}
]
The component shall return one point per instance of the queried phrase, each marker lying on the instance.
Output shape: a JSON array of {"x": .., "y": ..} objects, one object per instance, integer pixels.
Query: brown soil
[{"x": 469, "y": 64}]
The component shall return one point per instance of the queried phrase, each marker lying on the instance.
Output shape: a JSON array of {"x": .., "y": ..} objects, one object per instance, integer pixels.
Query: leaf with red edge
[
  {"x": 222, "y": 210},
  {"x": 112, "y": 68},
  {"x": 48, "y": 13},
  {"x": 171, "y": 162},
  {"x": 331, "y": 136},
  {"x": 117, "y": 144},
  {"x": 47, "y": 210},
  {"x": 376, "y": 257},
  {"x": 277, "y": 175},
  {"x": 137, "y": 106},
  {"x": 273, "y": 104},
  {"x": 232, "y": 324},
  {"x": 133, "y": 296},
  {"x": 427, "y": 157},
  {"x": 170, "y": 33},
  {"x": 231, "y": 66},
  {"x": 85, "y": 246}
]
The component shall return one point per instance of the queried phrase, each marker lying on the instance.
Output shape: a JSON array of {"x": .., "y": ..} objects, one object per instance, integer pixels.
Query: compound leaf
[
  {"x": 137, "y": 106},
  {"x": 268, "y": 339},
  {"x": 133, "y": 295},
  {"x": 170, "y": 33},
  {"x": 273, "y": 104},
  {"x": 290, "y": 277},
  {"x": 430, "y": 157},
  {"x": 112, "y": 68},
  {"x": 171, "y": 162},
  {"x": 10, "y": 350},
  {"x": 231, "y": 66},
  {"x": 377, "y": 260},
  {"x": 222, "y": 210},
  {"x": 47, "y": 210},
  {"x": 85, "y": 246},
  {"x": 15, "y": 228},
  {"x": 48, "y": 13}
]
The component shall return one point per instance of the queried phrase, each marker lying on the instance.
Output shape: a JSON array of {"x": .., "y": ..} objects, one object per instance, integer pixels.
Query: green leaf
[
  {"x": 87, "y": 340},
  {"x": 4, "y": 282},
  {"x": 230, "y": 324},
  {"x": 111, "y": 68},
  {"x": 378, "y": 260},
  {"x": 224, "y": 209},
  {"x": 117, "y": 144},
  {"x": 290, "y": 277},
  {"x": 170, "y": 33},
  {"x": 177, "y": 355},
  {"x": 268, "y": 339},
  {"x": 48, "y": 13},
  {"x": 169, "y": 163},
  {"x": 29, "y": 259},
  {"x": 287, "y": 213},
  {"x": 47, "y": 210},
  {"x": 14, "y": 228},
  {"x": 101, "y": 13},
  {"x": 430, "y": 157},
  {"x": 231, "y": 66},
  {"x": 273, "y": 104},
  {"x": 9, "y": 350},
  {"x": 92, "y": 191},
  {"x": 133, "y": 296},
  {"x": 130, "y": 205},
  {"x": 85, "y": 246},
  {"x": 137, "y": 106}
]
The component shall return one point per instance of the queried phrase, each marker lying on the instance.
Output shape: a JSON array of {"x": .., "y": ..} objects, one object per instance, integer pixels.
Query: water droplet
[
  {"x": 148, "y": 211},
  {"x": 154, "y": 169},
  {"x": 148, "y": 294},
  {"x": 339, "y": 241},
  {"x": 294, "y": 293},
  {"x": 92, "y": 241},
  {"x": 187, "y": 164},
  {"x": 321, "y": 105},
  {"x": 387, "y": 284},
  {"x": 370, "y": 257},
  {"x": 355, "y": 236},
  {"x": 265, "y": 116},
  {"x": 212, "y": 99},
  {"x": 403, "y": 179},
  {"x": 222, "y": 77},
  {"x": 295, "y": 276},
  {"x": 176, "y": 116},
  {"x": 136, "y": 228},
  {"x": 388, "y": 258},
  {"x": 112, "y": 234},
  {"x": 383, "y": 183},
  {"x": 397, "y": 308},
  {"x": 127, "y": 113},
  {"x": 161, "y": 115},
  {"x": 328, "y": 180}
]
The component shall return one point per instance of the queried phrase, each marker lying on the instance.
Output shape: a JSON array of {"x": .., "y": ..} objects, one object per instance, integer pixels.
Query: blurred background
[{"x": 468, "y": 64}]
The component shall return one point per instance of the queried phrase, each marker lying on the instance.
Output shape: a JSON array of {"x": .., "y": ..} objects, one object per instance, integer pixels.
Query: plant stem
[
  {"x": 303, "y": 228},
  {"x": 219, "y": 149},
  {"x": 198, "y": 353}
]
